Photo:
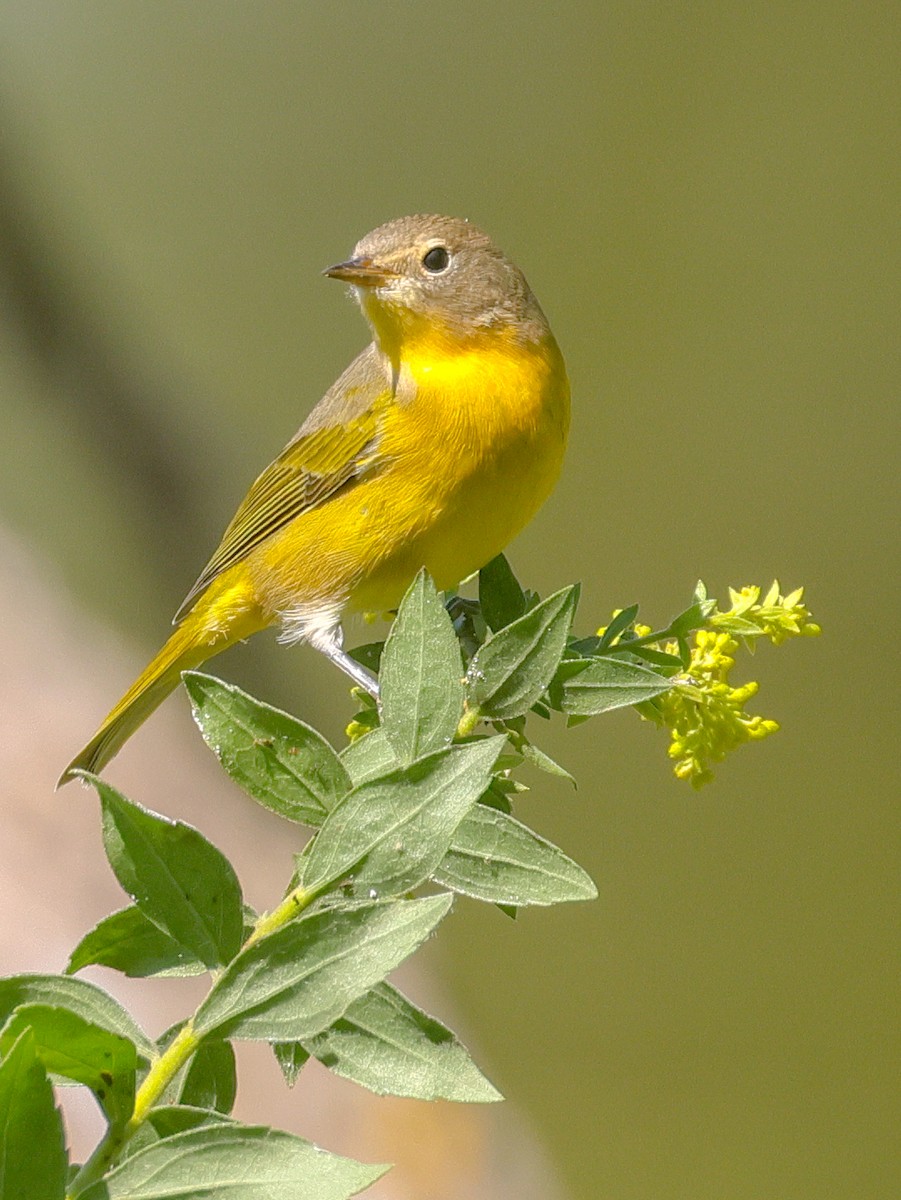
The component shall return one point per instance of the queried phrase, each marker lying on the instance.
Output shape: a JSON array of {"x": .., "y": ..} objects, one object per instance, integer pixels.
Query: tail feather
[{"x": 188, "y": 647}]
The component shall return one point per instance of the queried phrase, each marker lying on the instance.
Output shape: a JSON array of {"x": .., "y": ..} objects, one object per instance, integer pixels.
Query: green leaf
[
  {"x": 738, "y": 626},
  {"x": 421, "y": 679},
  {"x": 176, "y": 877},
  {"x": 586, "y": 687},
  {"x": 537, "y": 757},
  {"x": 84, "y": 999},
  {"x": 684, "y": 653},
  {"x": 69, "y": 1045},
  {"x": 660, "y": 658},
  {"x": 299, "y": 980},
  {"x": 279, "y": 761},
  {"x": 369, "y": 656},
  {"x": 33, "y": 1163},
  {"x": 210, "y": 1080},
  {"x": 585, "y": 647},
  {"x": 392, "y": 832},
  {"x": 131, "y": 943},
  {"x": 468, "y": 622},
  {"x": 144, "y": 1135},
  {"x": 496, "y": 858},
  {"x": 695, "y": 615},
  {"x": 369, "y": 756},
  {"x": 291, "y": 1058},
  {"x": 169, "y": 1119},
  {"x": 618, "y": 624},
  {"x": 388, "y": 1045},
  {"x": 242, "y": 1162},
  {"x": 500, "y": 596},
  {"x": 513, "y": 668}
]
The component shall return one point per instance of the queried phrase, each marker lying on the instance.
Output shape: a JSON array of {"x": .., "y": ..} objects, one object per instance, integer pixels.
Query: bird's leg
[{"x": 331, "y": 643}]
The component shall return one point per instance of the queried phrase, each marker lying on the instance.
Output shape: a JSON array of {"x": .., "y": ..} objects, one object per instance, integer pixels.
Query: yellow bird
[{"x": 433, "y": 449}]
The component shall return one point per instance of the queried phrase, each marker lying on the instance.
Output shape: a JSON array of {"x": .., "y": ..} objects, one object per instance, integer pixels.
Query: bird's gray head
[{"x": 439, "y": 273}]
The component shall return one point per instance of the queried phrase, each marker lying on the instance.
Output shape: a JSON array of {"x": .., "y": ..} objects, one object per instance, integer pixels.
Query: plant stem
[
  {"x": 295, "y": 902},
  {"x": 164, "y": 1069},
  {"x": 161, "y": 1073},
  {"x": 631, "y": 643}
]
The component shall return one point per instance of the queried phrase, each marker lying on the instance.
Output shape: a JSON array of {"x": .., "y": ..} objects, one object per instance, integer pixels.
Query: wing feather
[{"x": 335, "y": 447}]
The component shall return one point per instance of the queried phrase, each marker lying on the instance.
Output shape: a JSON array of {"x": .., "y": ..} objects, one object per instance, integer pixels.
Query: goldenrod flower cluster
[
  {"x": 705, "y": 714},
  {"x": 703, "y": 711},
  {"x": 778, "y": 617}
]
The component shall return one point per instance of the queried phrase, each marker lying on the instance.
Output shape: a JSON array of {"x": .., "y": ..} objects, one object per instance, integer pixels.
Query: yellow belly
[{"x": 471, "y": 454}]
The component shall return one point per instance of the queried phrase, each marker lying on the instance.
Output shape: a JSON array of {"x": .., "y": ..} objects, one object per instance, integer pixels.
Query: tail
[{"x": 190, "y": 645}]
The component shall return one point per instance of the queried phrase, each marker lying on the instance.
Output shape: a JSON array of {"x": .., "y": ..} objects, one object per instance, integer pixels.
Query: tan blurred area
[{"x": 705, "y": 199}]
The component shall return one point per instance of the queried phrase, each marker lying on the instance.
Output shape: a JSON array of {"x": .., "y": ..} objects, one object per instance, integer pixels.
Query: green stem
[
  {"x": 647, "y": 640},
  {"x": 164, "y": 1069},
  {"x": 295, "y": 902},
  {"x": 161, "y": 1074}
]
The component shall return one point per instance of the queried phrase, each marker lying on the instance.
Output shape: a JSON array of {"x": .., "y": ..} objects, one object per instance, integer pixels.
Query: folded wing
[{"x": 336, "y": 446}]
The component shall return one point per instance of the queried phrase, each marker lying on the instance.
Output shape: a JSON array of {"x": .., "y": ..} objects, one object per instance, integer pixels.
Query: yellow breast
[
  {"x": 472, "y": 447},
  {"x": 476, "y": 443}
]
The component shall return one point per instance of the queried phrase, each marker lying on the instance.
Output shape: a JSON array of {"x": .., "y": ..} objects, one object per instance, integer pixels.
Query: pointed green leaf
[
  {"x": 500, "y": 595},
  {"x": 33, "y": 1163},
  {"x": 369, "y": 756},
  {"x": 498, "y": 795},
  {"x": 737, "y": 626},
  {"x": 210, "y": 1080},
  {"x": 169, "y": 1119},
  {"x": 392, "y": 832},
  {"x": 388, "y": 1045},
  {"x": 279, "y": 761},
  {"x": 618, "y": 624},
  {"x": 84, "y": 999},
  {"x": 494, "y": 857},
  {"x": 657, "y": 658},
  {"x": 291, "y": 1058},
  {"x": 514, "y": 667},
  {"x": 582, "y": 647},
  {"x": 421, "y": 679},
  {"x": 586, "y": 687},
  {"x": 300, "y": 979},
  {"x": 69, "y": 1045},
  {"x": 695, "y": 615},
  {"x": 469, "y": 624},
  {"x": 144, "y": 1136},
  {"x": 369, "y": 656},
  {"x": 131, "y": 943},
  {"x": 242, "y": 1162},
  {"x": 176, "y": 877},
  {"x": 537, "y": 757}
]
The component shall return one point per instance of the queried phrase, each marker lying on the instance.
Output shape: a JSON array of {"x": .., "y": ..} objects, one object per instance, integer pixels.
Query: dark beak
[{"x": 363, "y": 272}]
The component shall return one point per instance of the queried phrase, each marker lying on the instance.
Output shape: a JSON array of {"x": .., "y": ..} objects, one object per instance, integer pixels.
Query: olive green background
[{"x": 705, "y": 198}]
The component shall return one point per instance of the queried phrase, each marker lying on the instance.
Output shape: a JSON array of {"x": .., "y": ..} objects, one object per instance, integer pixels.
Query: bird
[{"x": 432, "y": 450}]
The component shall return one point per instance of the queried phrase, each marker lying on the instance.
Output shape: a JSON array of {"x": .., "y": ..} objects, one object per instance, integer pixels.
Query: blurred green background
[{"x": 705, "y": 198}]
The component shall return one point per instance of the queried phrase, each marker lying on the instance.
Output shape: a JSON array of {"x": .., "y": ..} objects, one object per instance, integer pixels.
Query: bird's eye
[{"x": 436, "y": 260}]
